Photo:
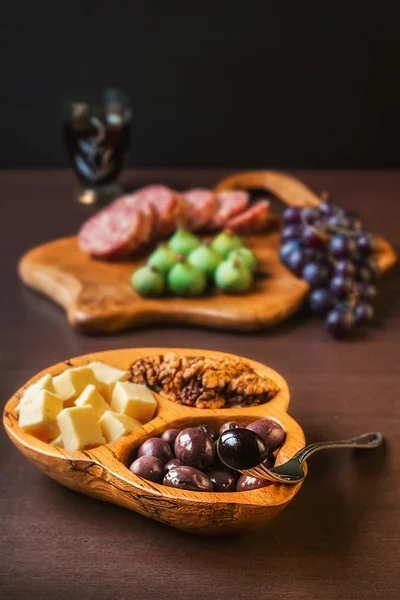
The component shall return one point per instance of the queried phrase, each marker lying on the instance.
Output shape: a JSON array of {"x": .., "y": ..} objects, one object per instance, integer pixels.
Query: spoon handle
[{"x": 367, "y": 440}]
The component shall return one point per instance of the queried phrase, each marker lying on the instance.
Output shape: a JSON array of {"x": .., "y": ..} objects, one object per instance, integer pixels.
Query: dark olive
[
  {"x": 217, "y": 462},
  {"x": 156, "y": 447},
  {"x": 210, "y": 430},
  {"x": 245, "y": 483},
  {"x": 171, "y": 464},
  {"x": 228, "y": 425},
  {"x": 272, "y": 433},
  {"x": 223, "y": 481},
  {"x": 188, "y": 478},
  {"x": 195, "y": 448},
  {"x": 241, "y": 448},
  {"x": 148, "y": 467},
  {"x": 269, "y": 461},
  {"x": 170, "y": 436}
]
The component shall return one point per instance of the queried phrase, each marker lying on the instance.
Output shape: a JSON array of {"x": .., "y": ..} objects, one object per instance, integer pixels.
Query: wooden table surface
[{"x": 339, "y": 539}]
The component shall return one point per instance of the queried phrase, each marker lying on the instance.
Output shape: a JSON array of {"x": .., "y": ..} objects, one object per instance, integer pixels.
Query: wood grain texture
[
  {"x": 102, "y": 472},
  {"x": 98, "y": 298}
]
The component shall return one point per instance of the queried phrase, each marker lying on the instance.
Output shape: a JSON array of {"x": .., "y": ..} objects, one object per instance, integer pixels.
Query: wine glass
[{"x": 97, "y": 138}]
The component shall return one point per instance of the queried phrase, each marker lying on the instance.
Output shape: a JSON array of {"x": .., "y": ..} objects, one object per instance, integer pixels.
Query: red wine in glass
[{"x": 97, "y": 138}]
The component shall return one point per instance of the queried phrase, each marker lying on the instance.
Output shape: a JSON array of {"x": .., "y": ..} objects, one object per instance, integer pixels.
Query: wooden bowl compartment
[
  {"x": 127, "y": 455},
  {"x": 103, "y": 473}
]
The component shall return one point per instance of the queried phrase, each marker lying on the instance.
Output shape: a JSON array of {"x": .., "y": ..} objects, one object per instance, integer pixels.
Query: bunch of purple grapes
[{"x": 328, "y": 248}]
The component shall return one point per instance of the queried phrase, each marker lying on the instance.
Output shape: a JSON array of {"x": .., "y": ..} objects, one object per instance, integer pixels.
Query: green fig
[
  {"x": 206, "y": 259},
  {"x": 225, "y": 242},
  {"x": 185, "y": 279},
  {"x": 183, "y": 242},
  {"x": 163, "y": 258},
  {"x": 233, "y": 277},
  {"x": 246, "y": 255},
  {"x": 148, "y": 281}
]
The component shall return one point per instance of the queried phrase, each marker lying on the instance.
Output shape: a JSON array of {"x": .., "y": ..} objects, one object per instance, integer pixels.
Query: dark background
[{"x": 219, "y": 83}]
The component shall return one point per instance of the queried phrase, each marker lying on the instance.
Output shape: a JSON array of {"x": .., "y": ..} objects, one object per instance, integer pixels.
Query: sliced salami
[
  {"x": 167, "y": 205},
  {"x": 182, "y": 213},
  {"x": 156, "y": 211},
  {"x": 229, "y": 204},
  {"x": 252, "y": 220},
  {"x": 201, "y": 205},
  {"x": 114, "y": 232},
  {"x": 148, "y": 211}
]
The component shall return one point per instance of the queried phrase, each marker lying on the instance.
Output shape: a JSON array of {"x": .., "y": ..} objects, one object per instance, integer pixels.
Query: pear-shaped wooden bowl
[{"x": 103, "y": 472}]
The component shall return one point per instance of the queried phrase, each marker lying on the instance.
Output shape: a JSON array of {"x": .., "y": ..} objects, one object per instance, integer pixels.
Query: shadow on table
[{"x": 327, "y": 512}]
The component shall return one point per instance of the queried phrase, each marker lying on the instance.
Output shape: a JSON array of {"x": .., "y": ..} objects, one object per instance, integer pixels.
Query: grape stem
[
  {"x": 326, "y": 228},
  {"x": 345, "y": 231}
]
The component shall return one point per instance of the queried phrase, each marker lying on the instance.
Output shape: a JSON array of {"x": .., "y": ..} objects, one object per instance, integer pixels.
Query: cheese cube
[
  {"x": 114, "y": 425},
  {"x": 133, "y": 400},
  {"x": 106, "y": 377},
  {"x": 91, "y": 397},
  {"x": 58, "y": 441},
  {"x": 38, "y": 415},
  {"x": 72, "y": 382},
  {"x": 79, "y": 428},
  {"x": 44, "y": 383}
]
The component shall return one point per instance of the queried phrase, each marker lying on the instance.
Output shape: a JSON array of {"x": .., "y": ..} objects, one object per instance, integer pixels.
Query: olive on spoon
[{"x": 245, "y": 451}]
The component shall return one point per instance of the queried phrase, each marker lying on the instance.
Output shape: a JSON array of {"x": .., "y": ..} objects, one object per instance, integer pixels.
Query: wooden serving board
[{"x": 98, "y": 298}]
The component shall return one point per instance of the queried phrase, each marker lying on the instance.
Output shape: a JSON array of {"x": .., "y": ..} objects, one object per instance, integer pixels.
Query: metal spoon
[{"x": 292, "y": 470}]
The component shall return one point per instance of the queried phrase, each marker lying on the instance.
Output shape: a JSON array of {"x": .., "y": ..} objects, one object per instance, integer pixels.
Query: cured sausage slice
[
  {"x": 114, "y": 232},
  {"x": 167, "y": 206},
  {"x": 148, "y": 212},
  {"x": 201, "y": 205},
  {"x": 252, "y": 220},
  {"x": 229, "y": 204}
]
